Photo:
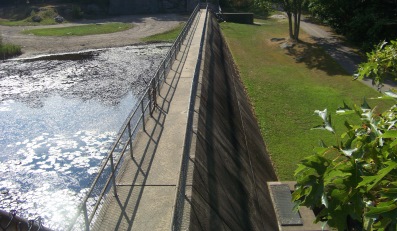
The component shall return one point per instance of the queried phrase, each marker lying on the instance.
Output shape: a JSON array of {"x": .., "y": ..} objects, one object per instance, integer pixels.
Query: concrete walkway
[{"x": 147, "y": 183}]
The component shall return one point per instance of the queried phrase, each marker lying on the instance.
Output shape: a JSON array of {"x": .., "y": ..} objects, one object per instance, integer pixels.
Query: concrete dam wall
[{"x": 231, "y": 165}]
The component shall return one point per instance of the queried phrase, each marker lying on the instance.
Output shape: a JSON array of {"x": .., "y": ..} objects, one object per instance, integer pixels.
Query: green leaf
[
  {"x": 344, "y": 110},
  {"x": 390, "y": 134},
  {"x": 382, "y": 207},
  {"x": 365, "y": 105},
  {"x": 389, "y": 190},
  {"x": 370, "y": 181},
  {"x": 382, "y": 224},
  {"x": 392, "y": 144}
]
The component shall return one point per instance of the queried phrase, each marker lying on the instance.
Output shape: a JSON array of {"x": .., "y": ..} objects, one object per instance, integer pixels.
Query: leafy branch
[
  {"x": 354, "y": 183},
  {"x": 381, "y": 63}
]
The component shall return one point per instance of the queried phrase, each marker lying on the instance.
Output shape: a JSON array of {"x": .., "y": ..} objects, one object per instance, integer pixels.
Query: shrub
[
  {"x": 353, "y": 183},
  {"x": 381, "y": 63},
  {"x": 8, "y": 50}
]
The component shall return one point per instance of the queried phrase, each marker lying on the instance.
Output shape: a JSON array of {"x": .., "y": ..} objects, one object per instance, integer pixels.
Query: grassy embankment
[
  {"x": 91, "y": 29},
  {"x": 285, "y": 92},
  {"x": 168, "y": 36}
]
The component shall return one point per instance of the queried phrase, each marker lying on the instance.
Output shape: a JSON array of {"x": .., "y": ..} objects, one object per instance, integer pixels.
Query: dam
[
  {"x": 200, "y": 163},
  {"x": 197, "y": 160}
]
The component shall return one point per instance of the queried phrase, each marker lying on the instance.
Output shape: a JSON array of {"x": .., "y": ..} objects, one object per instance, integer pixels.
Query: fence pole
[
  {"x": 164, "y": 70},
  {"x": 154, "y": 87},
  {"x": 87, "y": 223},
  {"x": 151, "y": 91},
  {"x": 143, "y": 116},
  {"x": 158, "y": 83},
  {"x": 130, "y": 135},
  {"x": 113, "y": 175}
]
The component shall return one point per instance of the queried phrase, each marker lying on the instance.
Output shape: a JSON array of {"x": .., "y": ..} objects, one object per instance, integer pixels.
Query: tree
[
  {"x": 293, "y": 9},
  {"x": 264, "y": 5},
  {"x": 364, "y": 23}
]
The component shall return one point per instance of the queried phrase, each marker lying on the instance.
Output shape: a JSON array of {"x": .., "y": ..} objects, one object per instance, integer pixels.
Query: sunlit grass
[
  {"x": 168, "y": 36},
  {"x": 91, "y": 29},
  {"x": 286, "y": 92},
  {"x": 9, "y": 50}
]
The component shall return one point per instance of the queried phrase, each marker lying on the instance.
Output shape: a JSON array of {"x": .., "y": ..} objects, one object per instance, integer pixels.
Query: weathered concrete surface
[
  {"x": 231, "y": 165},
  {"x": 147, "y": 183}
]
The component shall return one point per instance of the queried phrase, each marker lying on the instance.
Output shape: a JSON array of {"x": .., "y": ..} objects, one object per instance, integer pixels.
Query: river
[{"x": 59, "y": 114}]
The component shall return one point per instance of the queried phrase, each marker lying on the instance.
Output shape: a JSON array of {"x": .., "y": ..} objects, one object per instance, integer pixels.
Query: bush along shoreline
[{"x": 9, "y": 50}]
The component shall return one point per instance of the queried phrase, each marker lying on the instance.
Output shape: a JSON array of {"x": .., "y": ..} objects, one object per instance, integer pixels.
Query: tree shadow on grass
[{"x": 315, "y": 57}]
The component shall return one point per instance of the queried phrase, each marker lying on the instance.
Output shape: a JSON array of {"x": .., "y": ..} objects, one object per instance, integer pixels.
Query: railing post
[
  {"x": 130, "y": 135},
  {"x": 87, "y": 223},
  {"x": 154, "y": 88},
  {"x": 113, "y": 175},
  {"x": 158, "y": 83},
  {"x": 164, "y": 70},
  {"x": 150, "y": 96},
  {"x": 143, "y": 116}
]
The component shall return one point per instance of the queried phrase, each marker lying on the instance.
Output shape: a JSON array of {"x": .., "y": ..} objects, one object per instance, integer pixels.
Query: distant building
[{"x": 151, "y": 6}]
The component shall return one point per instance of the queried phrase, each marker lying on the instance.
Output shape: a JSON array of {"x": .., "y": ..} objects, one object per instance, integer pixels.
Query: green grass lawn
[
  {"x": 285, "y": 93},
  {"x": 91, "y": 29},
  {"x": 25, "y": 22},
  {"x": 168, "y": 36}
]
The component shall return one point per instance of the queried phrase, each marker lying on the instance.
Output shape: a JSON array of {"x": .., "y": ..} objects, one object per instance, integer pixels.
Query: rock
[
  {"x": 277, "y": 39},
  {"x": 287, "y": 45},
  {"x": 36, "y": 18},
  {"x": 59, "y": 19}
]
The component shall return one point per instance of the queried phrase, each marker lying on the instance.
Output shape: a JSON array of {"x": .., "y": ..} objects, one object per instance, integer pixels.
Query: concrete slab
[{"x": 306, "y": 214}]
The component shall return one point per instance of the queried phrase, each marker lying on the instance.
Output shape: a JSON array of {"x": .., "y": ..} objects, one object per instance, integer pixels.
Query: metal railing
[{"x": 105, "y": 181}]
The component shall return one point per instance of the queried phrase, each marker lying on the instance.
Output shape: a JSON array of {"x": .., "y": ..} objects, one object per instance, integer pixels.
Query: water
[{"x": 58, "y": 117}]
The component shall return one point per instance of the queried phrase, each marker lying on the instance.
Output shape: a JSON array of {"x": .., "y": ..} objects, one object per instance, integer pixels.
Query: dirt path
[{"x": 144, "y": 25}]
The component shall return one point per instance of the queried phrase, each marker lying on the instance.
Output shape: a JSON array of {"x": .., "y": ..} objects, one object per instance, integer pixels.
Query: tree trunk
[
  {"x": 290, "y": 25},
  {"x": 298, "y": 22},
  {"x": 293, "y": 10},
  {"x": 295, "y": 26}
]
